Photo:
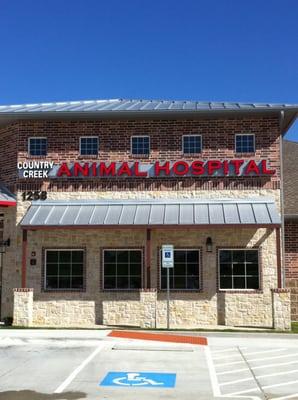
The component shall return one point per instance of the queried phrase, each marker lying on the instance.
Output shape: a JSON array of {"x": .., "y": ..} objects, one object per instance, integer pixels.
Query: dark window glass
[
  {"x": 140, "y": 145},
  {"x": 245, "y": 144},
  {"x": 89, "y": 146},
  {"x": 186, "y": 271},
  {"x": 239, "y": 269},
  {"x": 64, "y": 269},
  {"x": 192, "y": 144},
  {"x": 38, "y": 146},
  {"x": 122, "y": 269}
]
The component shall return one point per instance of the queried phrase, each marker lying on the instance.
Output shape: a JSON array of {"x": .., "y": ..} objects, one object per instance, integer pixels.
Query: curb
[{"x": 200, "y": 340}]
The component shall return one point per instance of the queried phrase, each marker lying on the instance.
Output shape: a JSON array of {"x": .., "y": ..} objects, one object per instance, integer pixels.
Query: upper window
[
  {"x": 37, "y": 146},
  {"x": 140, "y": 145},
  {"x": 245, "y": 143},
  {"x": 122, "y": 269},
  {"x": 192, "y": 144},
  {"x": 239, "y": 269},
  {"x": 64, "y": 269},
  {"x": 89, "y": 145},
  {"x": 186, "y": 272}
]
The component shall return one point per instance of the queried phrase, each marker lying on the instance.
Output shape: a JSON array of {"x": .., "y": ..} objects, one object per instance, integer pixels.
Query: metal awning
[
  {"x": 104, "y": 213},
  {"x": 6, "y": 197}
]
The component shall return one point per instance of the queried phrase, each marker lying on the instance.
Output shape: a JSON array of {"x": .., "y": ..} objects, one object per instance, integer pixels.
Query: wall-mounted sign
[
  {"x": 167, "y": 251},
  {"x": 136, "y": 169}
]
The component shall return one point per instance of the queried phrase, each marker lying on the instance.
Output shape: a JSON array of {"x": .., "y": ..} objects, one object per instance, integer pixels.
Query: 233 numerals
[{"x": 37, "y": 195}]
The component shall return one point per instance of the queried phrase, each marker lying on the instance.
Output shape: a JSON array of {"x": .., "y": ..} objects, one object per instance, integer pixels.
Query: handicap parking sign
[{"x": 139, "y": 379}]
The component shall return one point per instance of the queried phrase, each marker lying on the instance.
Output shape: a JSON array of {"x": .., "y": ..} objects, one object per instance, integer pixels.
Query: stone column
[
  {"x": 281, "y": 309},
  {"x": 148, "y": 299},
  {"x": 23, "y": 307}
]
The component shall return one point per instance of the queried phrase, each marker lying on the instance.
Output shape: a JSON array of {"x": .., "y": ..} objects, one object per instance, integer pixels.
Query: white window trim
[
  {"x": 45, "y": 268},
  {"x": 140, "y": 136},
  {"x": 245, "y": 134},
  {"x": 200, "y": 270},
  {"x": 235, "y": 249},
  {"x": 103, "y": 269},
  {"x": 88, "y": 137},
  {"x": 36, "y": 137},
  {"x": 195, "y": 135}
]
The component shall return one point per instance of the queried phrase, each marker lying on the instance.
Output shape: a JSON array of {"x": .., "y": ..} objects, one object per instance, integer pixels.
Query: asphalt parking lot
[{"x": 45, "y": 365}]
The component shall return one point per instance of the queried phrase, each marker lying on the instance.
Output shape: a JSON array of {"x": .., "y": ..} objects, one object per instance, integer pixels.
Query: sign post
[{"x": 168, "y": 262}]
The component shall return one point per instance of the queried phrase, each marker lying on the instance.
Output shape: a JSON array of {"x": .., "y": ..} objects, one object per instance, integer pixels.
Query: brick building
[
  {"x": 290, "y": 167},
  {"x": 92, "y": 190}
]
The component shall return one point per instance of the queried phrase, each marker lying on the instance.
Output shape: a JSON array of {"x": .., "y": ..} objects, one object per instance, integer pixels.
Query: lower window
[
  {"x": 122, "y": 269},
  {"x": 239, "y": 269},
  {"x": 185, "y": 275},
  {"x": 64, "y": 269}
]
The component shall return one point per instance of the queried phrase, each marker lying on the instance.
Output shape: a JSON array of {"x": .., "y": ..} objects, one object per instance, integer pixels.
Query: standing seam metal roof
[
  {"x": 150, "y": 213},
  {"x": 89, "y": 106}
]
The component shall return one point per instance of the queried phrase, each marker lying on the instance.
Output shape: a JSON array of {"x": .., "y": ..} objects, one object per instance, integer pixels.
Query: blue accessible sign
[{"x": 139, "y": 379}]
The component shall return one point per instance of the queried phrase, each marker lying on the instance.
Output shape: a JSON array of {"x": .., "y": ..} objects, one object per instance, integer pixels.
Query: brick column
[
  {"x": 23, "y": 307},
  {"x": 148, "y": 300},
  {"x": 281, "y": 309}
]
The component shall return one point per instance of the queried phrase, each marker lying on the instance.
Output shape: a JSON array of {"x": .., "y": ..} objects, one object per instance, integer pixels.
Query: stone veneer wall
[{"x": 187, "y": 309}]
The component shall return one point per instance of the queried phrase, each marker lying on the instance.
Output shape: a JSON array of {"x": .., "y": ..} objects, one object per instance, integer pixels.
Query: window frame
[
  {"x": 254, "y": 143},
  {"x": 103, "y": 249},
  {"x": 200, "y": 288},
  {"x": 80, "y": 145},
  {"x": 28, "y": 146},
  {"x": 259, "y": 289},
  {"x": 194, "y": 135},
  {"x": 140, "y": 154},
  {"x": 44, "y": 272}
]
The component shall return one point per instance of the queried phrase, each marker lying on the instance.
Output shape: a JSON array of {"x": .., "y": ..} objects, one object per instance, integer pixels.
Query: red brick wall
[
  {"x": 166, "y": 144},
  {"x": 218, "y": 137},
  {"x": 291, "y": 263},
  {"x": 8, "y": 153},
  {"x": 291, "y": 249}
]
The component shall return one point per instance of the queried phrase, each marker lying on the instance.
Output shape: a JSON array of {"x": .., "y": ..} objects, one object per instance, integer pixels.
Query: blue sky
[{"x": 223, "y": 50}]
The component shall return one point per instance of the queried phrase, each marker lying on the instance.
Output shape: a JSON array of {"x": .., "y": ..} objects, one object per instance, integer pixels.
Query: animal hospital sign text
[{"x": 158, "y": 169}]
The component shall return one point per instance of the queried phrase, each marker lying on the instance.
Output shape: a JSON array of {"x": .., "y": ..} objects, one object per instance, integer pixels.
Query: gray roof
[
  {"x": 96, "y": 106},
  {"x": 127, "y": 108},
  {"x": 6, "y": 196},
  {"x": 151, "y": 213}
]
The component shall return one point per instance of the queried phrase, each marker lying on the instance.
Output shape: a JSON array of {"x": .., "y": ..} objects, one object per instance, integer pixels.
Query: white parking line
[
  {"x": 237, "y": 381},
  {"x": 247, "y": 354},
  {"x": 275, "y": 365},
  {"x": 226, "y": 350},
  {"x": 256, "y": 359},
  {"x": 264, "y": 351},
  {"x": 264, "y": 387},
  {"x": 278, "y": 374},
  {"x": 233, "y": 371},
  {"x": 71, "y": 377}
]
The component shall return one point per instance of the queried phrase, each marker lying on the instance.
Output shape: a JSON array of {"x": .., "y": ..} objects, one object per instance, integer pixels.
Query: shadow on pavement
[{"x": 32, "y": 395}]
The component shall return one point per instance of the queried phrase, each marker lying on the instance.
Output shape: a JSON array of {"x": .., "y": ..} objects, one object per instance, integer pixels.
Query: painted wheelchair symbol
[{"x": 135, "y": 379}]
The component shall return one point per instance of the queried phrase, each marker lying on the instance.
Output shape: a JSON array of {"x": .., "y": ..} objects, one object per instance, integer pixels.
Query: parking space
[
  {"x": 84, "y": 365},
  {"x": 105, "y": 369}
]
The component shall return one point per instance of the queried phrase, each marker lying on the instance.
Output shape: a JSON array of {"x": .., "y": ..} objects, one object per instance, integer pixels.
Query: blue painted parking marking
[{"x": 139, "y": 379}]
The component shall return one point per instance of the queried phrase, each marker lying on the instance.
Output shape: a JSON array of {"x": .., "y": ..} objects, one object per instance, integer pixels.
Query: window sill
[
  {"x": 245, "y": 154},
  {"x": 191, "y": 155},
  {"x": 241, "y": 291},
  {"x": 88, "y": 156},
  {"x": 181, "y": 290},
  {"x": 63, "y": 290},
  {"x": 122, "y": 290}
]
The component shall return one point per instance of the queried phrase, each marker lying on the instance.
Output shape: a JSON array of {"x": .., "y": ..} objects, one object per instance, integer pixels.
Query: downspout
[{"x": 282, "y": 204}]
